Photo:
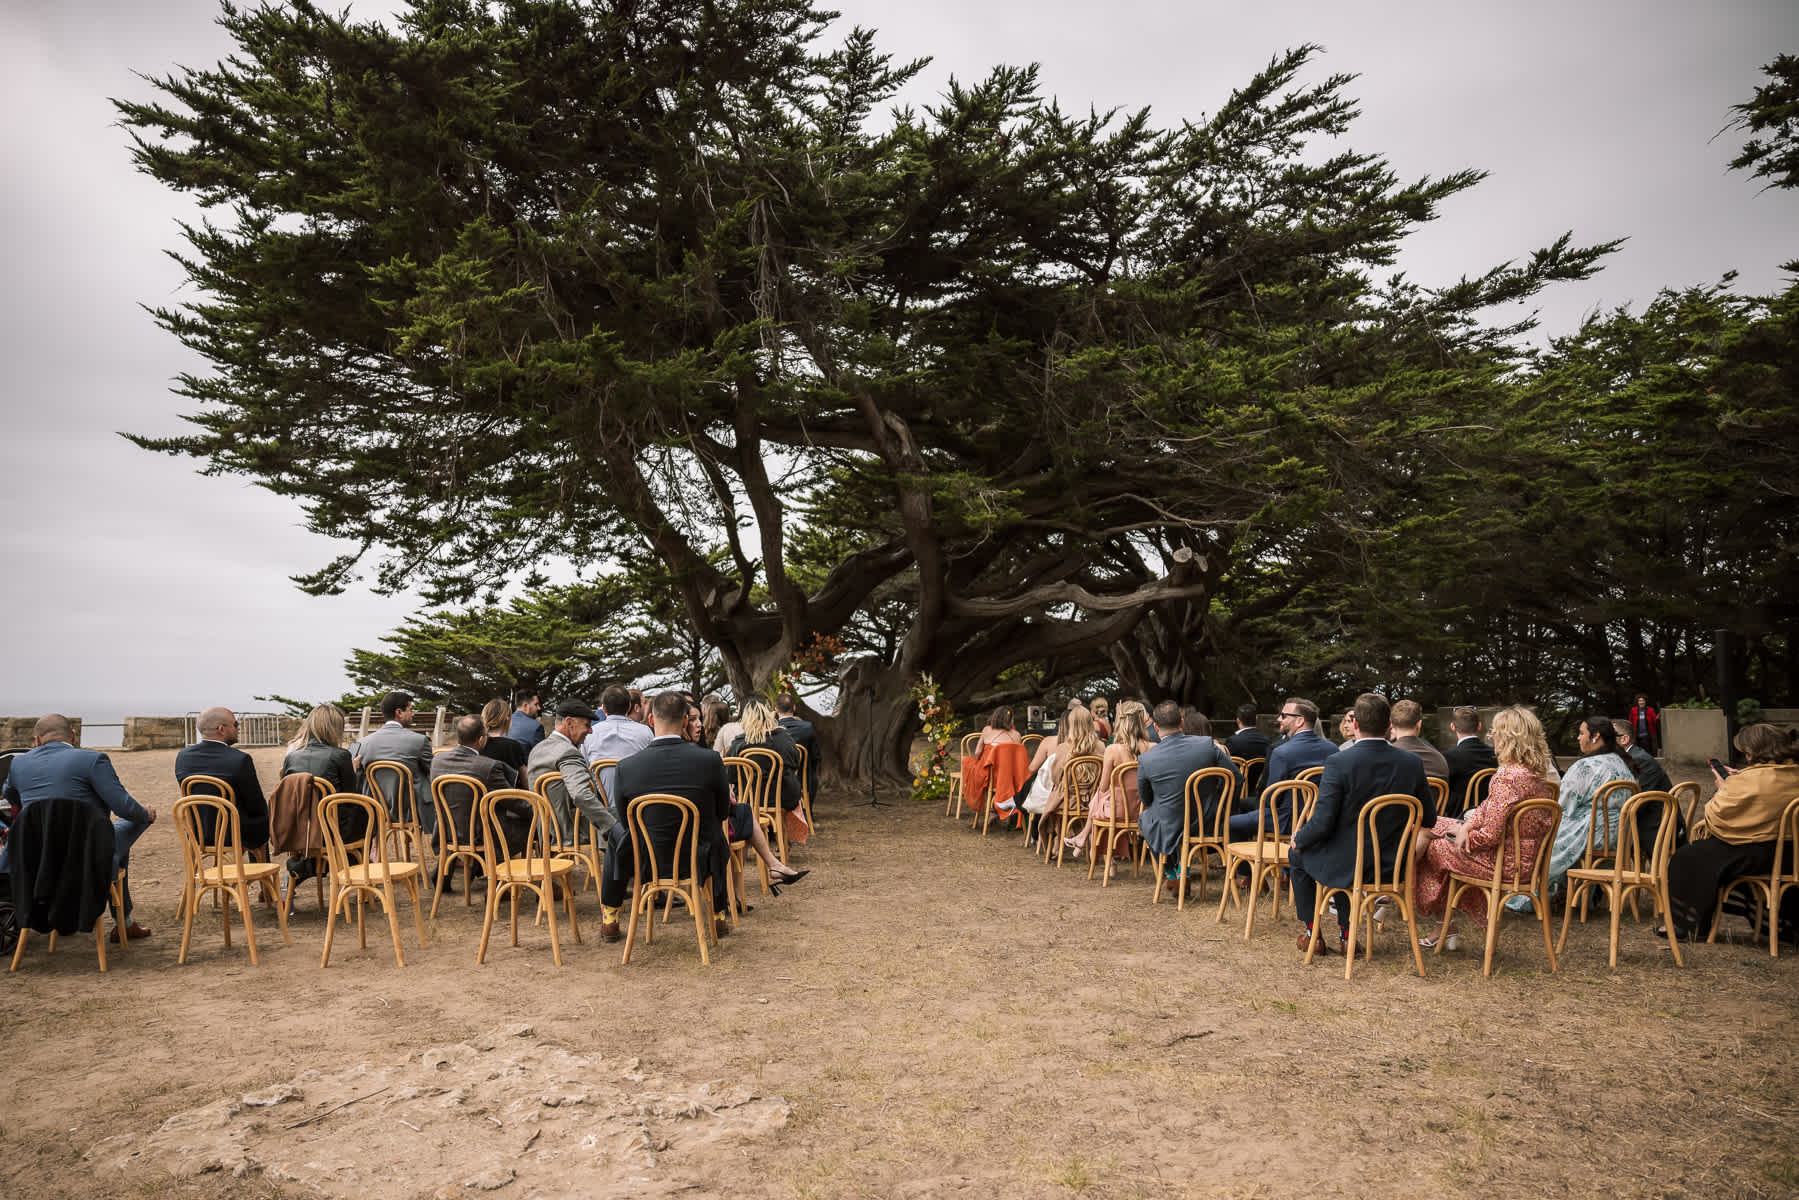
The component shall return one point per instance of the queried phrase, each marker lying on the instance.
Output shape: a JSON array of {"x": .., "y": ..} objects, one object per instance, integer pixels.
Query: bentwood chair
[
  {"x": 1375, "y": 835},
  {"x": 94, "y": 828},
  {"x": 1439, "y": 794},
  {"x": 1602, "y": 834},
  {"x": 1031, "y": 742},
  {"x": 1692, "y": 811},
  {"x": 746, "y": 782},
  {"x": 806, "y": 785},
  {"x": 212, "y": 785},
  {"x": 536, "y": 870},
  {"x": 393, "y": 782},
  {"x": 1769, "y": 888},
  {"x": 209, "y": 830},
  {"x": 1266, "y": 856},
  {"x": 1251, "y": 770},
  {"x": 1108, "y": 832},
  {"x": 587, "y": 845},
  {"x": 1532, "y": 822},
  {"x": 361, "y": 871},
  {"x": 768, "y": 797},
  {"x": 1309, "y": 774},
  {"x": 681, "y": 877},
  {"x": 1080, "y": 779},
  {"x": 1198, "y": 842},
  {"x": 1009, "y": 763},
  {"x": 970, "y": 746},
  {"x": 450, "y": 795},
  {"x": 1476, "y": 791},
  {"x": 1635, "y": 868}
]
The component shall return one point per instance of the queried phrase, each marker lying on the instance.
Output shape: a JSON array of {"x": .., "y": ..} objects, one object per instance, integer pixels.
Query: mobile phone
[{"x": 1717, "y": 767}]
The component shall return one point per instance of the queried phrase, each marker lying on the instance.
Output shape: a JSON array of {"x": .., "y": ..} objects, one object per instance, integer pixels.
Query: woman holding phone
[{"x": 1737, "y": 835}]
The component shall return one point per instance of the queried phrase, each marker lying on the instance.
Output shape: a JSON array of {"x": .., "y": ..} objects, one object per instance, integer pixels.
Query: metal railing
[{"x": 253, "y": 729}]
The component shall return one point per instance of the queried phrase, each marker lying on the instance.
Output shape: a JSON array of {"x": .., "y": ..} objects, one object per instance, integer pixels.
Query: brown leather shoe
[
  {"x": 609, "y": 931},
  {"x": 720, "y": 927},
  {"x": 1324, "y": 947},
  {"x": 134, "y": 931}
]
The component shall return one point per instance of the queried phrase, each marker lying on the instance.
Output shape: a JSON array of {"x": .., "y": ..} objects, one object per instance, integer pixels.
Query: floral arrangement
[
  {"x": 817, "y": 657},
  {"x": 933, "y": 783}
]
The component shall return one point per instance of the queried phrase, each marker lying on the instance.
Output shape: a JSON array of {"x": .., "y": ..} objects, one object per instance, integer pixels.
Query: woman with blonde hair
[
  {"x": 1102, "y": 724},
  {"x": 1081, "y": 739},
  {"x": 762, "y": 728},
  {"x": 1132, "y": 740},
  {"x": 318, "y": 749},
  {"x": 1470, "y": 846}
]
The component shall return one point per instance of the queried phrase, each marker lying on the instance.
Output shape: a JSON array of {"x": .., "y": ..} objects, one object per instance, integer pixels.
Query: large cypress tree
[{"x": 528, "y": 281}]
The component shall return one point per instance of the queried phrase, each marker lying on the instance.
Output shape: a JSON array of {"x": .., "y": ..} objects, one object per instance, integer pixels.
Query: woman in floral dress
[{"x": 1470, "y": 846}]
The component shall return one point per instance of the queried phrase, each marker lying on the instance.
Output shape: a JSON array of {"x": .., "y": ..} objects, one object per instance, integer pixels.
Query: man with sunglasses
[{"x": 1300, "y": 747}]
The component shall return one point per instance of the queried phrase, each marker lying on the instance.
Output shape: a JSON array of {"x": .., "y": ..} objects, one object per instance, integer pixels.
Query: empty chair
[
  {"x": 535, "y": 869},
  {"x": 361, "y": 870},
  {"x": 210, "y": 834}
]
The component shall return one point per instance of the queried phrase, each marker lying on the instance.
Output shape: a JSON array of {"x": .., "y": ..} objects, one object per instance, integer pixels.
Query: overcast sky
[{"x": 134, "y": 585}]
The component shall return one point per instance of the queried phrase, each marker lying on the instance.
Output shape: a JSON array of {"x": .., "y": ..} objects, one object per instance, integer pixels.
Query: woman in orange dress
[{"x": 1470, "y": 846}]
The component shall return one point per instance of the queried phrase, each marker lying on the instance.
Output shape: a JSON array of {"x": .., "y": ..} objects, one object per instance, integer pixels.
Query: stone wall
[
  {"x": 15, "y": 732},
  {"x": 155, "y": 733}
]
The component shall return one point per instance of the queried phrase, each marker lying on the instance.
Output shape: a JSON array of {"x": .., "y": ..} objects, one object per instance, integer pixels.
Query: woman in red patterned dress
[{"x": 1469, "y": 846}]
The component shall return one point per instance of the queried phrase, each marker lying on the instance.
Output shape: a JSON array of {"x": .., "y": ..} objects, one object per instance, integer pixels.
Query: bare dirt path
[{"x": 930, "y": 1013}]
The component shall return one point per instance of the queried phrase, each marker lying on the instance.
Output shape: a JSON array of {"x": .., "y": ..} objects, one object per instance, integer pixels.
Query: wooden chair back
[
  {"x": 1632, "y": 856},
  {"x": 533, "y": 871},
  {"x": 1300, "y": 794},
  {"x": 208, "y": 825},
  {"x": 1602, "y": 834},
  {"x": 684, "y": 868},
  {"x": 371, "y": 847},
  {"x": 746, "y": 778},
  {"x": 1478, "y": 783},
  {"x": 1221, "y": 815},
  {"x": 393, "y": 780},
  {"x": 542, "y": 836},
  {"x": 1310, "y": 774},
  {"x": 1686, "y": 799},
  {"x": 1372, "y": 843},
  {"x": 444, "y": 790},
  {"x": 1439, "y": 793},
  {"x": 1080, "y": 780},
  {"x": 770, "y": 765},
  {"x": 597, "y": 766},
  {"x": 209, "y": 829},
  {"x": 1031, "y": 742},
  {"x": 1252, "y": 770},
  {"x": 1512, "y": 876}
]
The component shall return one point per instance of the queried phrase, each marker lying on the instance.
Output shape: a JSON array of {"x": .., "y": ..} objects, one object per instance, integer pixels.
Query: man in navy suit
[
  {"x": 1324, "y": 848},
  {"x": 803, "y": 734},
  {"x": 1300, "y": 747},
  {"x": 216, "y": 754},
  {"x": 1162, "y": 774},
  {"x": 55, "y": 767},
  {"x": 1468, "y": 756},
  {"x": 672, "y": 765}
]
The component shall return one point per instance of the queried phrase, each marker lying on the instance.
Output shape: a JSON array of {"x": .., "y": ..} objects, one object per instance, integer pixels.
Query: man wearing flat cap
[{"x": 560, "y": 753}]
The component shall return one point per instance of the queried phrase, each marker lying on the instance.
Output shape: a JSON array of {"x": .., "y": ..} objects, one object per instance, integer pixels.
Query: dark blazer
[
  {"x": 1248, "y": 743},
  {"x": 237, "y": 769},
  {"x": 681, "y": 768},
  {"x": 1325, "y": 846},
  {"x": 782, "y": 743},
  {"x": 1465, "y": 758},
  {"x": 59, "y": 769},
  {"x": 321, "y": 761},
  {"x": 1293, "y": 755},
  {"x": 1162, "y": 774},
  {"x": 490, "y": 773},
  {"x": 62, "y": 865},
  {"x": 804, "y": 734}
]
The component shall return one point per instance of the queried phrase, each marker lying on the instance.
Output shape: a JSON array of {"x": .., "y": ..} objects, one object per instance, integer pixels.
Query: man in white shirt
[{"x": 617, "y": 736}]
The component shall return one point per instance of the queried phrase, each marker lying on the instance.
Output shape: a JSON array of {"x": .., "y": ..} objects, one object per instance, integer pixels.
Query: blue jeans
[{"x": 124, "y": 836}]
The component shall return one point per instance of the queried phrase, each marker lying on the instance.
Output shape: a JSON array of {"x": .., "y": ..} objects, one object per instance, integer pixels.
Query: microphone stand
[{"x": 869, "y": 691}]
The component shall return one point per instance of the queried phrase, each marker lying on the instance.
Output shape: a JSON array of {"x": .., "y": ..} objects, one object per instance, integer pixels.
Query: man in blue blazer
[
  {"x": 1324, "y": 848},
  {"x": 216, "y": 754},
  {"x": 1162, "y": 774},
  {"x": 1300, "y": 747},
  {"x": 55, "y": 767}
]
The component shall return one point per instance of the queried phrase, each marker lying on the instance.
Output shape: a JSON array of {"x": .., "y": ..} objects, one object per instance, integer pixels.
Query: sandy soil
[{"x": 930, "y": 1013}]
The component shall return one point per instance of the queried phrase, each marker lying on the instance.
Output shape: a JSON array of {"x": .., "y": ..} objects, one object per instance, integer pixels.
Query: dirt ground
[{"x": 930, "y": 1013}]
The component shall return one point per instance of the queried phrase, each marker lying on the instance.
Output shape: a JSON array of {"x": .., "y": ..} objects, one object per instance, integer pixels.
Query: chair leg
[
  {"x": 700, "y": 923},
  {"x": 281, "y": 920},
  {"x": 1540, "y": 902},
  {"x": 1494, "y": 905},
  {"x": 1662, "y": 910},
  {"x": 189, "y": 902},
  {"x": 489, "y": 910},
  {"x": 443, "y": 873},
  {"x": 242, "y": 892},
  {"x": 393, "y": 918},
  {"x": 1614, "y": 902},
  {"x": 1355, "y": 928},
  {"x": 574, "y": 926},
  {"x": 18, "y": 953},
  {"x": 631, "y": 929},
  {"x": 418, "y": 909},
  {"x": 1576, "y": 892},
  {"x": 362, "y": 929},
  {"x": 330, "y": 924},
  {"x": 100, "y": 940},
  {"x": 546, "y": 904}
]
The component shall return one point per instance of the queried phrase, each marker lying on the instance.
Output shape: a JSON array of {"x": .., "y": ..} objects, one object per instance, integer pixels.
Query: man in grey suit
[
  {"x": 466, "y": 759},
  {"x": 560, "y": 753},
  {"x": 395, "y": 741},
  {"x": 1324, "y": 848},
  {"x": 1162, "y": 774}
]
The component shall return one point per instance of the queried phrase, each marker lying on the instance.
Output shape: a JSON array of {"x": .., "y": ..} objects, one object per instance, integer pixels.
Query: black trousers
[
  {"x": 1698, "y": 869},
  {"x": 1305, "y": 898}
]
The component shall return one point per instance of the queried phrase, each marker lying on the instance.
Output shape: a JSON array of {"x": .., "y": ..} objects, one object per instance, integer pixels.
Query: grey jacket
[{"x": 557, "y": 754}]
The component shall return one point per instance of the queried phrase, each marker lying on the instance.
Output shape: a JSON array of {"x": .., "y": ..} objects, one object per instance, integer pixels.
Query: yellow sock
[{"x": 608, "y": 915}]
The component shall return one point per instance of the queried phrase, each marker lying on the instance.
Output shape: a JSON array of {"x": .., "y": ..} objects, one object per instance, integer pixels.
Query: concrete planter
[{"x": 1692, "y": 735}]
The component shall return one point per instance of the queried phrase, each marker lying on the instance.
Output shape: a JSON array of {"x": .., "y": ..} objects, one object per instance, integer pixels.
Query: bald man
[
  {"x": 55, "y": 767},
  {"x": 216, "y": 754}
]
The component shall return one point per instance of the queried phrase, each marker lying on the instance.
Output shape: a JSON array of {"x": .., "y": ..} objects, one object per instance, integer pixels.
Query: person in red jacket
[{"x": 1646, "y": 725}]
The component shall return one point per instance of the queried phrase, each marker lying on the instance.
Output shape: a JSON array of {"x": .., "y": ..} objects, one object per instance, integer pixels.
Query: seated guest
[
  {"x": 1125, "y": 749},
  {"x": 1470, "y": 846},
  {"x": 54, "y": 767},
  {"x": 717, "y": 713},
  {"x": 318, "y": 750},
  {"x": 396, "y": 741},
  {"x": 999, "y": 727},
  {"x": 1034, "y": 795},
  {"x": 1405, "y": 730},
  {"x": 557, "y": 755},
  {"x": 1738, "y": 833},
  {"x": 216, "y": 754},
  {"x": 729, "y": 727},
  {"x": 1469, "y": 756},
  {"x": 617, "y": 736},
  {"x": 1324, "y": 848},
  {"x": 526, "y": 729},
  {"x": 1162, "y": 773},
  {"x": 496, "y": 717},
  {"x": 805, "y": 736},
  {"x": 671, "y": 765},
  {"x": 640, "y": 708},
  {"x": 1102, "y": 718},
  {"x": 760, "y": 728},
  {"x": 1248, "y": 741},
  {"x": 1301, "y": 746},
  {"x": 1602, "y": 761},
  {"x": 1075, "y": 736},
  {"x": 1346, "y": 735},
  {"x": 468, "y": 757},
  {"x": 1651, "y": 775}
]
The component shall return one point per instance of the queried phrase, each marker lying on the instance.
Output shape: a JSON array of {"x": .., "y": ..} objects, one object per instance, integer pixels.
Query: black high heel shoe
[{"x": 791, "y": 876}]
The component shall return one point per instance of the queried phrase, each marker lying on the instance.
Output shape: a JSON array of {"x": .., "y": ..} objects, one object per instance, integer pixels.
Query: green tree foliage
[
  {"x": 560, "y": 642},
  {"x": 1771, "y": 117},
  {"x": 1046, "y": 387}
]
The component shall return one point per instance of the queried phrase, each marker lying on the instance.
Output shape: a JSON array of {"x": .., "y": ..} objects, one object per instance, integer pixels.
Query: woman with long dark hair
[{"x": 1602, "y": 761}]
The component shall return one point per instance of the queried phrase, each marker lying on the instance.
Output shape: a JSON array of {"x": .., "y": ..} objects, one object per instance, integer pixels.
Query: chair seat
[
  {"x": 1250, "y": 851},
  {"x": 532, "y": 868},
  {"x": 380, "y": 872},
  {"x": 233, "y": 872},
  {"x": 1645, "y": 878}
]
